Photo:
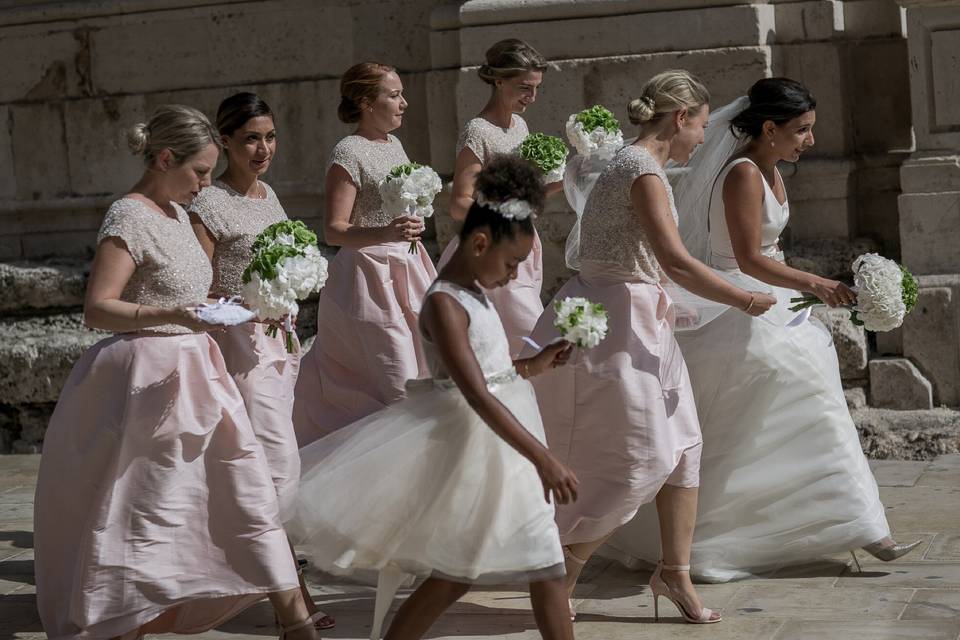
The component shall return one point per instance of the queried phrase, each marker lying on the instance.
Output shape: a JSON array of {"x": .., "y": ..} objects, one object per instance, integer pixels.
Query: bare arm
[
  {"x": 743, "y": 194},
  {"x": 102, "y": 307},
  {"x": 446, "y": 323},
  {"x": 464, "y": 178},
  {"x": 652, "y": 207},
  {"x": 341, "y": 194}
]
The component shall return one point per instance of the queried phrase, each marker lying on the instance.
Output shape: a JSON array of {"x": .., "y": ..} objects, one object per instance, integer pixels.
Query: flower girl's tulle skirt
[{"x": 427, "y": 488}]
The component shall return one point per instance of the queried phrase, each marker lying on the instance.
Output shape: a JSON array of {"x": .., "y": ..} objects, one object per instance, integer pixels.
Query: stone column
[{"x": 930, "y": 200}]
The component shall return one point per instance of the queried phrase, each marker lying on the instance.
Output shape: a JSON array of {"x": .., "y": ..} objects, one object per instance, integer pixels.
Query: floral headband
[{"x": 511, "y": 209}]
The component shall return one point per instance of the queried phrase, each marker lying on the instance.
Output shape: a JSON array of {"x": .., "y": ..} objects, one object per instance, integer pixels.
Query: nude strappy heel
[
  {"x": 659, "y": 587},
  {"x": 568, "y": 555}
]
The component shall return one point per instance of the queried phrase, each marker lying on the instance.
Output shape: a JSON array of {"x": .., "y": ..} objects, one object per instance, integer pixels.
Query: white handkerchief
[{"x": 225, "y": 312}]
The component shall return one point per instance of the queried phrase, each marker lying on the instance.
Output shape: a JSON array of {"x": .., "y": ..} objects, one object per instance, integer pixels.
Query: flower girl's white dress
[{"x": 425, "y": 486}]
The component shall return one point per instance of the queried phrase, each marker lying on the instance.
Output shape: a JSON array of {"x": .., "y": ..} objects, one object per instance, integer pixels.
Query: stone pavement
[{"x": 917, "y": 597}]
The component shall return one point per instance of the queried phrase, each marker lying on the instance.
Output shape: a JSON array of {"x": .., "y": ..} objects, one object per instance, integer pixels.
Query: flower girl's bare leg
[
  {"x": 550, "y": 610},
  {"x": 418, "y": 613}
]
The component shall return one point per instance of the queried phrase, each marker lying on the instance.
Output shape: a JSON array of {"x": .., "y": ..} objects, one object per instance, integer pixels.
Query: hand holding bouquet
[
  {"x": 409, "y": 190},
  {"x": 580, "y": 321},
  {"x": 886, "y": 293},
  {"x": 286, "y": 266},
  {"x": 595, "y": 133},
  {"x": 548, "y": 153}
]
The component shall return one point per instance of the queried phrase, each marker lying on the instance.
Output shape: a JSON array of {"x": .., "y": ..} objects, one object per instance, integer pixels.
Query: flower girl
[{"x": 456, "y": 481}]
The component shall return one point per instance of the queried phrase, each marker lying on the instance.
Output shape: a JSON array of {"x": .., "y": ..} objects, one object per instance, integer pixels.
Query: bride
[{"x": 783, "y": 479}]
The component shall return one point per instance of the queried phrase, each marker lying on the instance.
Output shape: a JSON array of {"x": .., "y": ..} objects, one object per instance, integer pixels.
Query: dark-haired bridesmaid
[
  {"x": 227, "y": 216},
  {"x": 367, "y": 344}
]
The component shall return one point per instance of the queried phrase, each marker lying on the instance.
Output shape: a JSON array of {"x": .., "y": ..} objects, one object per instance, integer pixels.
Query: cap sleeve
[
  {"x": 120, "y": 222},
  {"x": 472, "y": 138},
  {"x": 208, "y": 207},
  {"x": 345, "y": 156}
]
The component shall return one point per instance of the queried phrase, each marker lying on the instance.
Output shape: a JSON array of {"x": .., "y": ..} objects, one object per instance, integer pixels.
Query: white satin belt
[
  {"x": 493, "y": 381},
  {"x": 729, "y": 262}
]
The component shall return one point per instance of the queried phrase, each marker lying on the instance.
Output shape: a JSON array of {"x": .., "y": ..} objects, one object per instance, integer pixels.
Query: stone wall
[{"x": 78, "y": 73}]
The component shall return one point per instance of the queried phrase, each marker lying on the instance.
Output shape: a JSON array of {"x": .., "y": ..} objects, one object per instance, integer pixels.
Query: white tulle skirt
[
  {"x": 427, "y": 488},
  {"x": 783, "y": 479}
]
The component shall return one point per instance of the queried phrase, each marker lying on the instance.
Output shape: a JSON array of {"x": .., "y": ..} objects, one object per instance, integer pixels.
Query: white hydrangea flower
[
  {"x": 304, "y": 274},
  {"x": 879, "y": 283},
  {"x": 411, "y": 195},
  {"x": 581, "y": 321},
  {"x": 270, "y": 299},
  {"x": 599, "y": 143}
]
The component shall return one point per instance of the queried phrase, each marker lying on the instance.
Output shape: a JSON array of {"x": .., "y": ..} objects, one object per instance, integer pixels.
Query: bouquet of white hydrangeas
[
  {"x": 548, "y": 153},
  {"x": 286, "y": 266},
  {"x": 886, "y": 293},
  {"x": 595, "y": 133},
  {"x": 580, "y": 321},
  {"x": 409, "y": 190}
]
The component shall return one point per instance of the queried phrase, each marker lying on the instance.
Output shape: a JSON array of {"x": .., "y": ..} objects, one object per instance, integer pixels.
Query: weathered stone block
[
  {"x": 399, "y": 38},
  {"x": 99, "y": 159},
  {"x": 43, "y": 63},
  {"x": 856, "y": 398},
  {"x": 945, "y": 60},
  {"x": 828, "y": 257},
  {"x": 930, "y": 232},
  {"x": 636, "y": 33},
  {"x": 931, "y": 336},
  {"x": 849, "y": 340},
  {"x": 908, "y": 435},
  {"x": 442, "y": 89},
  {"x": 924, "y": 173},
  {"x": 28, "y": 286},
  {"x": 242, "y": 44},
  {"x": 8, "y": 179},
  {"x": 896, "y": 383},
  {"x": 67, "y": 244},
  {"x": 802, "y": 21},
  {"x": 872, "y": 18},
  {"x": 884, "y": 121},
  {"x": 39, "y": 151}
]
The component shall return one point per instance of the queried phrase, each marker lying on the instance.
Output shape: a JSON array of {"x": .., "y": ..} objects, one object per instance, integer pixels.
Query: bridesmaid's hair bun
[
  {"x": 181, "y": 129},
  {"x": 505, "y": 177},
  {"x": 238, "y": 109},
  {"x": 508, "y": 59},
  {"x": 360, "y": 82},
  {"x": 137, "y": 138},
  {"x": 665, "y": 93},
  {"x": 778, "y": 100}
]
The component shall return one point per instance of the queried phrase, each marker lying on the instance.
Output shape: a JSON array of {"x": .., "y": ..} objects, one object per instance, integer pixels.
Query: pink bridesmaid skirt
[
  {"x": 621, "y": 414},
  {"x": 153, "y": 495},
  {"x": 266, "y": 374},
  {"x": 368, "y": 338},
  {"x": 518, "y": 303}
]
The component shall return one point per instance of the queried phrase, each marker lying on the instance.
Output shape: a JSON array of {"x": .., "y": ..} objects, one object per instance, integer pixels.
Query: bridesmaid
[
  {"x": 367, "y": 345},
  {"x": 622, "y": 416},
  {"x": 155, "y": 511},
  {"x": 514, "y": 70},
  {"x": 227, "y": 216}
]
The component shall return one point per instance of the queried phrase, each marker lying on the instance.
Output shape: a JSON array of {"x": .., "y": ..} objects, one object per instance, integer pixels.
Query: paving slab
[
  {"x": 897, "y": 473},
  {"x": 919, "y": 575},
  {"x": 942, "y": 472},
  {"x": 855, "y": 603},
  {"x": 881, "y": 630},
  {"x": 945, "y": 546},
  {"x": 933, "y": 603},
  {"x": 932, "y": 508}
]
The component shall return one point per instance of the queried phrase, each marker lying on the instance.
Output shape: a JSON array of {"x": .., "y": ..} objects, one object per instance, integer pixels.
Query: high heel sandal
[
  {"x": 568, "y": 555},
  {"x": 885, "y": 552},
  {"x": 659, "y": 587},
  {"x": 311, "y": 620},
  {"x": 324, "y": 621}
]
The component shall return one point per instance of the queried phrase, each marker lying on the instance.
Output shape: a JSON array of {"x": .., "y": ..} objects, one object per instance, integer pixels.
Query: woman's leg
[
  {"x": 418, "y": 613},
  {"x": 549, "y": 600}
]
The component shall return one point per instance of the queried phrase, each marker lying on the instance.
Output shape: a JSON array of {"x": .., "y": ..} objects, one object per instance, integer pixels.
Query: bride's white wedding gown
[{"x": 783, "y": 478}]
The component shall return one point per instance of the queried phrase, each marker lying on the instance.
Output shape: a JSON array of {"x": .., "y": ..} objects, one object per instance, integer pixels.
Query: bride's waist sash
[
  {"x": 493, "y": 381},
  {"x": 729, "y": 263}
]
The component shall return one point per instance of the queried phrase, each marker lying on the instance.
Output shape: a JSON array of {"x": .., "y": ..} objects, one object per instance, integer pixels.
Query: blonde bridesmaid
[
  {"x": 367, "y": 343},
  {"x": 155, "y": 510},
  {"x": 623, "y": 415},
  {"x": 514, "y": 70},
  {"x": 227, "y": 216}
]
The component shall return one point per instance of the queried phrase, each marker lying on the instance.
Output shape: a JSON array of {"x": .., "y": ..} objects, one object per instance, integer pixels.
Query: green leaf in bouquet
[
  {"x": 302, "y": 235},
  {"x": 910, "y": 289},
  {"x": 403, "y": 170},
  {"x": 547, "y": 152},
  {"x": 265, "y": 261},
  {"x": 598, "y": 116}
]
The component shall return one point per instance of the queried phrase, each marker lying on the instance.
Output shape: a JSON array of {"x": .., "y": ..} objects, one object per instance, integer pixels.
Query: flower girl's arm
[
  {"x": 743, "y": 194},
  {"x": 338, "y": 231},
  {"x": 446, "y": 324},
  {"x": 652, "y": 209},
  {"x": 102, "y": 307},
  {"x": 464, "y": 177}
]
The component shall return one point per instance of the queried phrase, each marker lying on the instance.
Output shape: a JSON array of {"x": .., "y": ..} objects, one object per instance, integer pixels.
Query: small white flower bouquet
[
  {"x": 595, "y": 133},
  {"x": 886, "y": 293},
  {"x": 548, "y": 153},
  {"x": 286, "y": 266},
  {"x": 580, "y": 321},
  {"x": 409, "y": 190}
]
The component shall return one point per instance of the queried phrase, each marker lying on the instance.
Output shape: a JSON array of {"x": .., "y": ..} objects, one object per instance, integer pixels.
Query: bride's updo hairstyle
[
  {"x": 508, "y": 59},
  {"x": 505, "y": 184},
  {"x": 778, "y": 100},
  {"x": 360, "y": 81},
  {"x": 183, "y": 130},
  {"x": 665, "y": 93}
]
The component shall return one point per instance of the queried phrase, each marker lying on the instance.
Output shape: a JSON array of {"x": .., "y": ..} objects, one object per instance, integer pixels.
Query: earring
[{"x": 772, "y": 144}]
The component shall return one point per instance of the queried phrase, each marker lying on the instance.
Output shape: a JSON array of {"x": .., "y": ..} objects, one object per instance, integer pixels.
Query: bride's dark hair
[
  {"x": 505, "y": 177},
  {"x": 779, "y": 100}
]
